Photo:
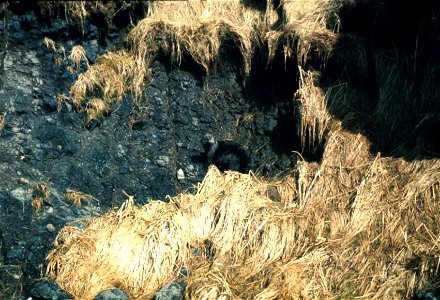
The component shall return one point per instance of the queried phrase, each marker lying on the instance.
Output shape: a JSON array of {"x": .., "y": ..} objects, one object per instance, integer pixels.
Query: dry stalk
[
  {"x": 2, "y": 121},
  {"x": 78, "y": 54},
  {"x": 332, "y": 240},
  {"x": 40, "y": 190},
  {"x": 314, "y": 119},
  {"x": 76, "y": 197}
]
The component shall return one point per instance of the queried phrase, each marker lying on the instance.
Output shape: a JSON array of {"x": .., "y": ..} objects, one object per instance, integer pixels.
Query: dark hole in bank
[
  {"x": 387, "y": 53},
  {"x": 275, "y": 84}
]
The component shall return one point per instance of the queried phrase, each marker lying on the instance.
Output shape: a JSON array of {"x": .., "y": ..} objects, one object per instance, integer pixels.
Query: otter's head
[{"x": 208, "y": 142}]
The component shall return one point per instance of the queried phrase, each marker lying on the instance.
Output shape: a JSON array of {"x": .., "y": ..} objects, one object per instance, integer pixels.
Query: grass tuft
[
  {"x": 78, "y": 54},
  {"x": 306, "y": 26},
  {"x": 2, "y": 121},
  {"x": 76, "y": 197},
  {"x": 107, "y": 81},
  {"x": 314, "y": 119},
  {"x": 198, "y": 28},
  {"x": 349, "y": 227}
]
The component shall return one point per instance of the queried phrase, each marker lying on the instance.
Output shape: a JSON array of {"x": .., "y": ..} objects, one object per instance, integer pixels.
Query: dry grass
[
  {"x": 113, "y": 75},
  {"x": 314, "y": 119},
  {"x": 37, "y": 204},
  {"x": 61, "y": 98},
  {"x": 353, "y": 226},
  {"x": 50, "y": 44},
  {"x": 40, "y": 193},
  {"x": 78, "y": 11},
  {"x": 97, "y": 108},
  {"x": 59, "y": 53},
  {"x": 197, "y": 28},
  {"x": 78, "y": 54},
  {"x": 305, "y": 28},
  {"x": 76, "y": 197},
  {"x": 40, "y": 190},
  {"x": 2, "y": 121}
]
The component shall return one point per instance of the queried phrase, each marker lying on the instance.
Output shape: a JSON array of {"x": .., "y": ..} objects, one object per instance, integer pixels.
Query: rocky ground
[{"x": 148, "y": 149}]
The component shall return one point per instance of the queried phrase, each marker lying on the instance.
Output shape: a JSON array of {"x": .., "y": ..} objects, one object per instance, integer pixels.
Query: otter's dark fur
[{"x": 226, "y": 155}]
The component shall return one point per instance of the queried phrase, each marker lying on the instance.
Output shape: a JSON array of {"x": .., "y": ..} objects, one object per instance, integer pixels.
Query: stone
[
  {"x": 16, "y": 253},
  {"x": 20, "y": 194},
  {"x": 195, "y": 121},
  {"x": 48, "y": 291},
  {"x": 50, "y": 227},
  {"x": 114, "y": 294},
  {"x": 123, "y": 169},
  {"x": 121, "y": 151},
  {"x": 171, "y": 291},
  {"x": 8, "y": 62},
  {"x": 180, "y": 175},
  {"x": 32, "y": 55},
  {"x": 163, "y": 161},
  {"x": 22, "y": 180},
  {"x": 421, "y": 295}
]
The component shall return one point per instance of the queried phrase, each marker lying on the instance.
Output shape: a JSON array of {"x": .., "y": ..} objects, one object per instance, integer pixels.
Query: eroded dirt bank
[{"x": 139, "y": 149}]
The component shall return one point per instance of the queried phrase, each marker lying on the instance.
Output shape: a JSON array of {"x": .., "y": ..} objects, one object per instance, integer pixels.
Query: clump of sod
[
  {"x": 197, "y": 28},
  {"x": 107, "y": 81}
]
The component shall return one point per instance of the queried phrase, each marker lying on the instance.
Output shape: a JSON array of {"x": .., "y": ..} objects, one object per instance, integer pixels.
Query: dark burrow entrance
[
  {"x": 263, "y": 109},
  {"x": 272, "y": 86}
]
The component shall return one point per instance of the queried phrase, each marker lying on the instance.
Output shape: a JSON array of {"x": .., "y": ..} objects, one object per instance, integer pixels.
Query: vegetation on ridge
[{"x": 357, "y": 224}]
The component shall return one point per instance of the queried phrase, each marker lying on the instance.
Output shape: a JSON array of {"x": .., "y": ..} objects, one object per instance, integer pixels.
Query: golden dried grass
[
  {"x": 2, "y": 121},
  {"x": 37, "y": 204},
  {"x": 352, "y": 226},
  {"x": 96, "y": 108},
  {"x": 78, "y": 11},
  {"x": 59, "y": 53},
  {"x": 163, "y": 236},
  {"x": 313, "y": 117},
  {"x": 50, "y": 44},
  {"x": 305, "y": 28},
  {"x": 78, "y": 54},
  {"x": 113, "y": 75},
  {"x": 40, "y": 193},
  {"x": 40, "y": 190},
  {"x": 361, "y": 221},
  {"x": 76, "y": 197},
  {"x": 198, "y": 28}
]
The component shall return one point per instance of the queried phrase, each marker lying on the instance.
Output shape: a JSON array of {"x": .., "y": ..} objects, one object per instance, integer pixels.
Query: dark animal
[{"x": 226, "y": 155}]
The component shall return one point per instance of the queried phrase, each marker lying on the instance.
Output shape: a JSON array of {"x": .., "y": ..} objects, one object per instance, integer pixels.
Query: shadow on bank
[{"x": 383, "y": 77}]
